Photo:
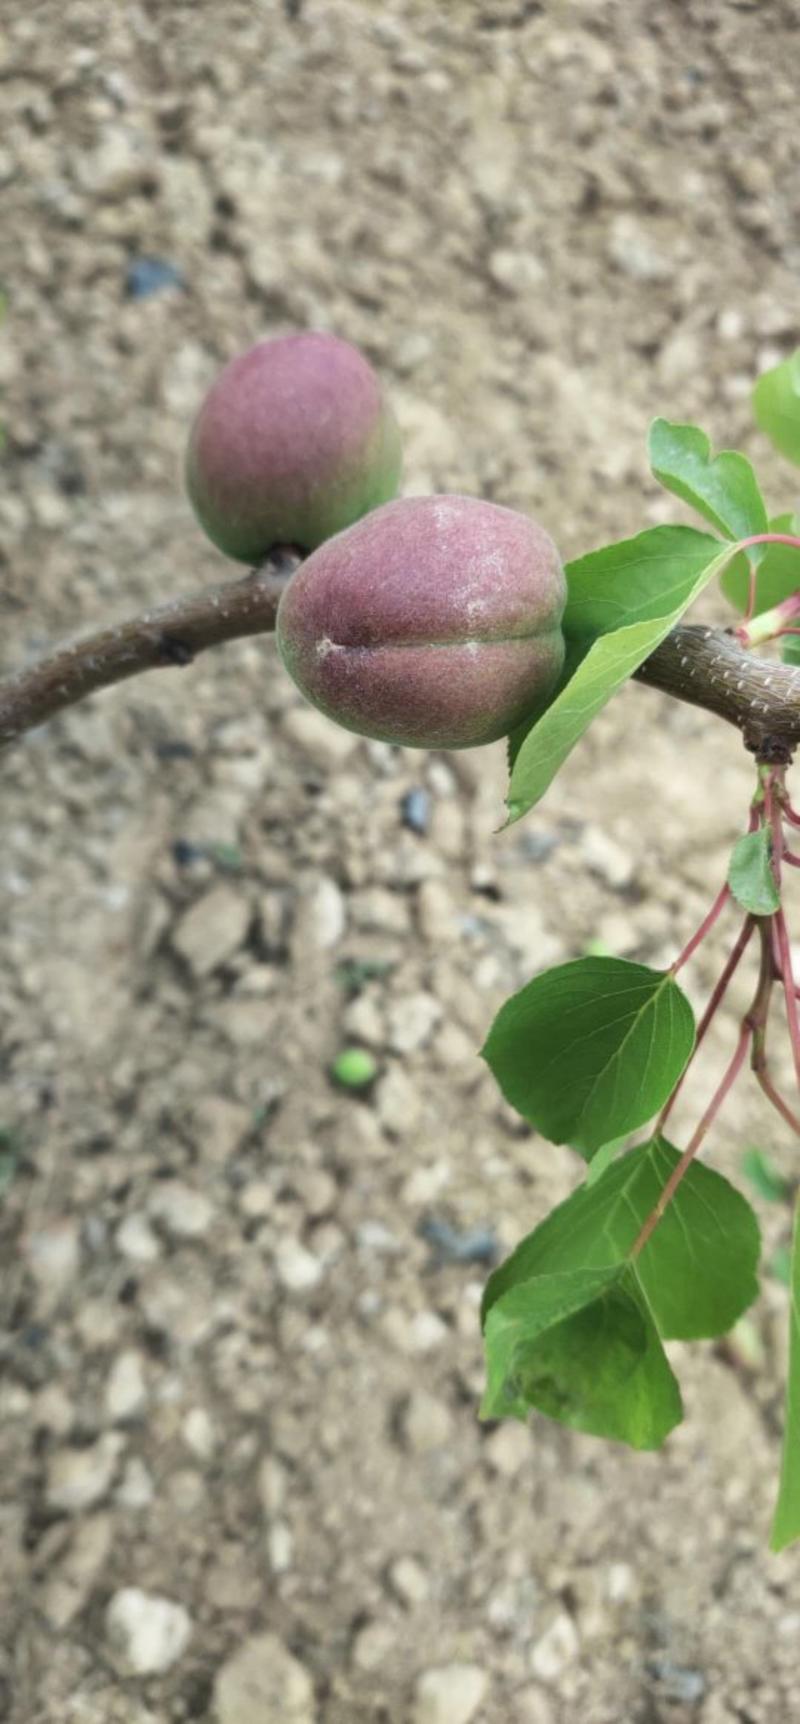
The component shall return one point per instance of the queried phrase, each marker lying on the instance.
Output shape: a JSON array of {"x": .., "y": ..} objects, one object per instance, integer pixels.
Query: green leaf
[
  {"x": 697, "y": 1271},
  {"x": 590, "y": 1050},
  {"x": 750, "y": 875},
  {"x": 581, "y": 1348},
  {"x": 609, "y": 661},
  {"x": 776, "y": 404},
  {"x": 758, "y": 1168},
  {"x": 786, "y": 1522},
  {"x": 780, "y": 1265},
  {"x": 778, "y": 573},
  {"x": 634, "y": 580},
  {"x": 723, "y": 489}
]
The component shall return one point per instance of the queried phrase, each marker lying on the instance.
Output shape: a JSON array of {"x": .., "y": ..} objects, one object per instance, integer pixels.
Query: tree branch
[
  {"x": 170, "y": 636},
  {"x": 710, "y": 668},
  {"x": 704, "y": 666}
]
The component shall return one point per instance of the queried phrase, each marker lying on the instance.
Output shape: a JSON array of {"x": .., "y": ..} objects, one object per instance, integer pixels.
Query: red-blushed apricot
[
  {"x": 433, "y": 622},
  {"x": 294, "y": 441}
]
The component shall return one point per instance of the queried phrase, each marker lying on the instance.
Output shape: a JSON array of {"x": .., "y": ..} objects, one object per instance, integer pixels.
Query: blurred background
[{"x": 242, "y": 1471}]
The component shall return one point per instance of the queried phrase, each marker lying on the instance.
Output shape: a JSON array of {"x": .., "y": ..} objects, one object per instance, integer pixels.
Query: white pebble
[{"x": 147, "y": 1633}]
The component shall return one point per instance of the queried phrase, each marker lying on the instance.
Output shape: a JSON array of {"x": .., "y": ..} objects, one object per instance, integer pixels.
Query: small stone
[
  {"x": 397, "y": 1102},
  {"x": 415, "y": 809},
  {"x": 325, "y": 743},
  {"x": 426, "y": 1423},
  {"x": 364, "y": 1021},
  {"x": 147, "y": 1633},
  {"x": 606, "y": 858},
  {"x": 516, "y": 271},
  {"x": 555, "y": 1649},
  {"x": 412, "y": 1020},
  {"x": 256, "y": 1199},
  {"x": 136, "y": 1489},
  {"x": 271, "y": 1485},
  {"x": 219, "y": 1126},
  {"x": 280, "y": 1547},
  {"x": 182, "y": 1212},
  {"x": 322, "y": 916},
  {"x": 119, "y": 163},
  {"x": 263, "y": 1684},
  {"x": 136, "y": 1240},
  {"x": 68, "y": 1590},
  {"x": 316, "y": 1189},
  {"x": 438, "y": 922},
  {"x": 297, "y": 1269},
  {"x": 676, "y": 1683},
  {"x": 376, "y": 910},
  {"x": 53, "y": 1411},
  {"x": 199, "y": 1434},
  {"x": 230, "y": 1583},
  {"x": 630, "y": 248},
  {"x": 77, "y": 1479},
  {"x": 620, "y": 1582},
  {"x": 532, "y": 1706},
  {"x": 450, "y": 1694},
  {"x": 53, "y": 1257},
  {"x": 508, "y": 1449},
  {"x": 408, "y": 1581},
  {"x": 212, "y": 930},
  {"x": 373, "y": 1645},
  {"x": 126, "y": 1389}
]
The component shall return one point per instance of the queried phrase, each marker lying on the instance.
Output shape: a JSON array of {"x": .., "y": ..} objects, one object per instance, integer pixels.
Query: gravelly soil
[{"x": 238, "y": 1376}]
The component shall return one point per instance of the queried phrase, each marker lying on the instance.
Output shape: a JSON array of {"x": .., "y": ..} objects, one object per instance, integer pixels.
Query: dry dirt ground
[{"x": 243, "y": 1476}]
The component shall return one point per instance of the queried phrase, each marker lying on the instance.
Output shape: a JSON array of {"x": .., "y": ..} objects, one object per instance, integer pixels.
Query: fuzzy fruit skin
[
  {"x": 435, "y": 622},
  {"x": 293, "y": 442}
]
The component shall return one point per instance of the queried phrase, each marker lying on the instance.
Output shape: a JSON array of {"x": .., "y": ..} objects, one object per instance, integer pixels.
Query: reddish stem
[
  {"x": 720, "y": 989},
  {"x": 677, "y": 1174},
  {"x": 769, "y": 539},
  {"x": 763, "y": 1078},
  {"x": 705, "y": 927}
]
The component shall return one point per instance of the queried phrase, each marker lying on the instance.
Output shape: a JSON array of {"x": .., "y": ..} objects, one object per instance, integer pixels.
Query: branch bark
[
  {"x": 707, "y": 667},
  {"x": 165, "y": 638}
]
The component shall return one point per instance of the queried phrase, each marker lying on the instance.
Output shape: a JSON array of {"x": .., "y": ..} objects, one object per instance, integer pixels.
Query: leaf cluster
[{"x": 653, "y": 1246}]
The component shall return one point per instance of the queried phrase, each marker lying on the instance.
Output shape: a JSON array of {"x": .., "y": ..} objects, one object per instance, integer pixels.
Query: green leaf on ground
[
  {"x": 723, "y": 488},
  {"x": 786, "y": 1522},
  {"x": 608, "y": 661},
  {"x": 778, "y": 574},
  {"x": 776, "y": 404},
  {"x": 750, "y": 875},
  {"x": 590, "y": 1050},
  {"x": 582, "y": 1348},
  {"x": 697, "y": 1271},
  {"x": 764, "y": 1177}
]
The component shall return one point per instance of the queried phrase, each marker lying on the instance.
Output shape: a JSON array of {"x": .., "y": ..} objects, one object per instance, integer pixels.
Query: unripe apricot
[
  {"x": 293, "y": 442},
  {"x": 434, "y": 622}
]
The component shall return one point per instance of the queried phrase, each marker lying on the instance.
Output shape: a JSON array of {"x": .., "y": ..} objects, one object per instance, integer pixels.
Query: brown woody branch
[
  {"x": 170, "y": 636},
  {"x": 707, "y": 667}
]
